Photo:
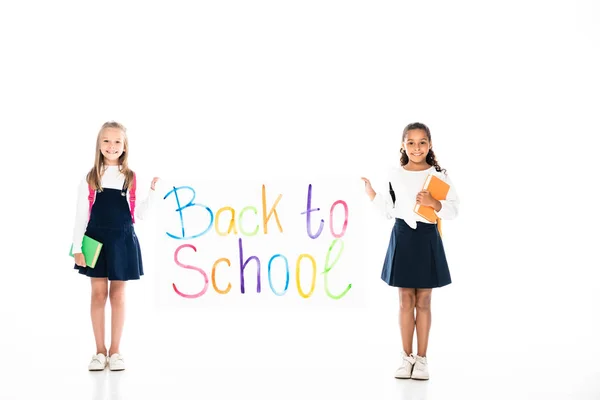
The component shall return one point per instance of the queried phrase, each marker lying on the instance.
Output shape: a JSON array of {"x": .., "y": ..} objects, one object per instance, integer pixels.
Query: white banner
[{"x": 273, "y": 244}]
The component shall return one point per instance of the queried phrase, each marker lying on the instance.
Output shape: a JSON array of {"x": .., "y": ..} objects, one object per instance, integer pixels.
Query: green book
[{"x": 90, "y": 249}]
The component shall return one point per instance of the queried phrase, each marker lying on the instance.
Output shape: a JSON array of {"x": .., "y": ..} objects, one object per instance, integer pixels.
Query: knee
[
  {"x": 99, "y": 297},
  {"x": 424, "y": 302},
  {"x": 407, "y": 302},
  {"x": 117, "y": 296}
]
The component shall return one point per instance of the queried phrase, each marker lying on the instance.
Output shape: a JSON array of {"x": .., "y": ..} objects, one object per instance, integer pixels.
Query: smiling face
[
  {"x": 416, "y": 144},
  {"x": 112, "y": 145}
]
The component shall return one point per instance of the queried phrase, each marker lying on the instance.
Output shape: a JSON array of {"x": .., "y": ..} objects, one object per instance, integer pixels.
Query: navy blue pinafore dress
[{"x": 111, "y": 224}]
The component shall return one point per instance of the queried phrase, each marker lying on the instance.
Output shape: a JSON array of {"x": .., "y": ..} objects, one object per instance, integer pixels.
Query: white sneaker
[
  {"x": 98, "y": 363},
  {"x": 116, "y": 362},
  {"x": 405, "y": 370},
  {"x": 421, "y": 370}
]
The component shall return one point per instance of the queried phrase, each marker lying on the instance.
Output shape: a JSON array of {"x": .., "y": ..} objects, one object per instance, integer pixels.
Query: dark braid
[{"x": 430, "y": 158}]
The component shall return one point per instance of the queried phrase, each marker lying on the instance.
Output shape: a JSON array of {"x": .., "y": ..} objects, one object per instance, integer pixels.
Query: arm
[
  {"x": 81, "y": 216},
  {"x": 384, "y": 203},
  {"x": 143, "y": 207},
  {"x": 449, "y": 207},
  {"x": 381, "y": 200}
]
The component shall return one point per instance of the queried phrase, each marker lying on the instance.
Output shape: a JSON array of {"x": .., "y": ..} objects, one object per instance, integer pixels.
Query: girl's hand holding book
[
  {"x": 79, "y": 259},
  {"x": 424, "y": 198}
]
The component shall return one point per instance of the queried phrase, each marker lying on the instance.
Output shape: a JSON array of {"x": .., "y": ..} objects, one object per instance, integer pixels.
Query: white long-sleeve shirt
[
  {"x": 406, "y": 185},
  {"x": 111, "y": 179}
]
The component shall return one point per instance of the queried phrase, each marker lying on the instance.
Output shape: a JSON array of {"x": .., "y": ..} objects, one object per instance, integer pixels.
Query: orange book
[{"x": 438, "y": 190}]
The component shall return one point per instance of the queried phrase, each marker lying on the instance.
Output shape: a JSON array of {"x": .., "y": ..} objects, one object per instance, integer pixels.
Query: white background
[{"x": 291, "y": 90}]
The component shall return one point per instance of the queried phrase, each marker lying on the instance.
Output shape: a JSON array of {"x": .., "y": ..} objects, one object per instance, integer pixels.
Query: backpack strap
[
  {"x": 91, "y": 198},
  {"x": 132, "y": 199},
  {"x": 392, "y": 194}
]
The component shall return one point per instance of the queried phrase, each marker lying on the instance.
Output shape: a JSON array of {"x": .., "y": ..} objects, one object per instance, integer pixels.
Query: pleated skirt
[{"x": 415, "y": 258}]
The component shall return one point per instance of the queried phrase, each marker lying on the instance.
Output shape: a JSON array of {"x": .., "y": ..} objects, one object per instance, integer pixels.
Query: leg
[
  {"x": 423, "y": 320},
  {"x": 407, "y": 318},
  {"x": 117, "y": 304},
  {"x": 99, "y": 295}
]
